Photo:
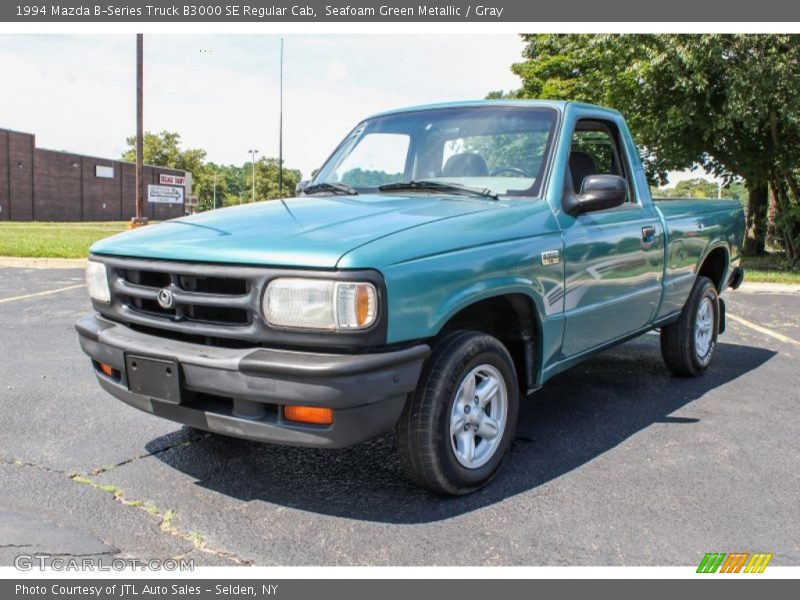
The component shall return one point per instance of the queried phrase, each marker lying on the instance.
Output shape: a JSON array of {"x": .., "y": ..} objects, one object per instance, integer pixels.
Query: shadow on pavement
[{"x": 576, "y": 417}]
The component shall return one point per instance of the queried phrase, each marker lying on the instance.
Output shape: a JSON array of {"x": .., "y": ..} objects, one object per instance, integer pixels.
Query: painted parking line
[
  {"x": 44, "y": 293},
  {"x": 764, "y": 330}
]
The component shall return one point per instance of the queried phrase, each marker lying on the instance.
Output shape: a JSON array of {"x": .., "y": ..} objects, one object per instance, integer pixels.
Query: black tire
[
  {"x": 424, "y": 439},
  {"x": 679, "y": 346}
]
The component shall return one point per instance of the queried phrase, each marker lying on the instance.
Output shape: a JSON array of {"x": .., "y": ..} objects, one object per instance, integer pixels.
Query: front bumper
[{"x": 240, "y": 392}]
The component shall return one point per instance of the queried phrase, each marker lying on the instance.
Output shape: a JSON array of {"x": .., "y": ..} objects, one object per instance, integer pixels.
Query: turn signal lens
[
  {"x": 356, "y": 305},
  {"x": 308, "y": 414},
  {"x": 107, "y": 369}
]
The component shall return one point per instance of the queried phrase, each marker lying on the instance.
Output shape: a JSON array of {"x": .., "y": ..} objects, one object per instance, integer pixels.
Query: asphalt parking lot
[{"x": 614, "y": 463}]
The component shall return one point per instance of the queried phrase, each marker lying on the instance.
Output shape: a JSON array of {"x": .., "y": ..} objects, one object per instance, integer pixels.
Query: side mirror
[
  {"x": 298, "y": 189},
  {"x": 598, "y": 192}
]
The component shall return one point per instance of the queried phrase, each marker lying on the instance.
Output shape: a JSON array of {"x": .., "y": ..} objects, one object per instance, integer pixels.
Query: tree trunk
[
  {"x": 773, "y": 231},
  {"x": 783, "y": 222},
  {"x": 756, "y": 224},
  {"x": 792, "y": 223}
]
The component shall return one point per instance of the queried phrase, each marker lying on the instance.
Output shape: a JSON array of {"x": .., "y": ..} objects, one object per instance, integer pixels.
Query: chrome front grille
[
  {"x": 208, "y": 301},
  {"x": 197, "y": 298}
]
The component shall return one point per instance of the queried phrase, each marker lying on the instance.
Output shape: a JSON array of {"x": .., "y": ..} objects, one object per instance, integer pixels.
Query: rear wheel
[
  {"x": 688, "y": 344},
  {"x": 457, "y": 427}
]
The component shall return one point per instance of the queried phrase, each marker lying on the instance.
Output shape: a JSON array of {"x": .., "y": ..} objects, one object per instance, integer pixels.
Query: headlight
[
  {"x": 97, "y": 282},
  {"x": 320, "y": 304}
]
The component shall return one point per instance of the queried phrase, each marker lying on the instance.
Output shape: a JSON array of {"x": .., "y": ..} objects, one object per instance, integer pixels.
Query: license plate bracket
[{"x": 158, "y": 378}]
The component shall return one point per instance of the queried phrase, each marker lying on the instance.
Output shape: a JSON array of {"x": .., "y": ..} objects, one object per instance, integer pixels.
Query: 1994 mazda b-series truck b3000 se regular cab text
[{"x": 445, "y": 262}]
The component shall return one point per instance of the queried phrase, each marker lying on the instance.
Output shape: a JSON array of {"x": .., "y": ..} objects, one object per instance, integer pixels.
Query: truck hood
[{"x": 309, "y": 232}]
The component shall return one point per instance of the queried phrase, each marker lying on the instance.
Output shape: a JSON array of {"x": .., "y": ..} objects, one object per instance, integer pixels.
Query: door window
[{"x": 595, "y": 150}]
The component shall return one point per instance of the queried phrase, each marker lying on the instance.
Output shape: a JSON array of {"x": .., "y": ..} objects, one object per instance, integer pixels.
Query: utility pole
[
  {"x": 253, "y": 155},
  {"x": 280, "y": 133},
  {"x": 215, "y": 189},
  {"x": 139, "y": 219}
]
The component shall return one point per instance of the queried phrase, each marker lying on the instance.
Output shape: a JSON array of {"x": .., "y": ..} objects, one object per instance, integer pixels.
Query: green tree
[
  {"x": 267, "y": 179},
  {"x": 690, "y": 188},
  {"x": 208, "y": 178},
  {"x": 369, "y": 178},
  {"x": 702, "y": 188},
  {"x": 163, "y": 150},
  {"x": 729, "y": 103},
  {"x": 233, "y": 183}
]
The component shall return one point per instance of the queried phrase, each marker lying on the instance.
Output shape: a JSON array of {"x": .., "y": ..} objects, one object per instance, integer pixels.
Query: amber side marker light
[
  {"x": 308, "y": 414},
  {"x": 364, "y": 302},
  {"x": 107, "y": 369}
]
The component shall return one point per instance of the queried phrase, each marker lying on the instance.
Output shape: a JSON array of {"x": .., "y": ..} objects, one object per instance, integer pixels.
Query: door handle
[{"x": 648, "y": 232}]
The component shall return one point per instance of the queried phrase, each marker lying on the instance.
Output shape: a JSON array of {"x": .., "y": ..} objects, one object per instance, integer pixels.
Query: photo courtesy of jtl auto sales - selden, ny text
[{"x": 399, "y": 299}]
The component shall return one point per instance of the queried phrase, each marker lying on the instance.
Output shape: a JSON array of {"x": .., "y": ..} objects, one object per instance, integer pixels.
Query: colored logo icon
[{"x": 734, "y": 562}]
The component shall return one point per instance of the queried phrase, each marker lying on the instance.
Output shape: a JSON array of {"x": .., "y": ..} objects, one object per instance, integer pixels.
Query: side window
[{"x": 595, "y": 151}]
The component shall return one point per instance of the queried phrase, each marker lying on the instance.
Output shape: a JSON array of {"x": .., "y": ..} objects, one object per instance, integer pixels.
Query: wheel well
[
  {"x": 510, "y": 318},
  {"x": 714, "y": 266}
]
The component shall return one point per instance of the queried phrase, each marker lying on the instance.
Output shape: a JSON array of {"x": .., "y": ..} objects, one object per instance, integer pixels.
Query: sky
[{"x": 221, "y": 92}]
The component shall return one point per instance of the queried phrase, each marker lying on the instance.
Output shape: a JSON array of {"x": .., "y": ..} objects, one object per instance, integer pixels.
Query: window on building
[{"x": 104, "y": 172}]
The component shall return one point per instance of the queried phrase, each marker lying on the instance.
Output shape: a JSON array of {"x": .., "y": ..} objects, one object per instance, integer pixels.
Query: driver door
[{"x": 614, "y": 257}]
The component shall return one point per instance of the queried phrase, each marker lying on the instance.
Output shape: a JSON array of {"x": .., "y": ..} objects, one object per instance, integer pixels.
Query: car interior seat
[
  {"x": 466, "y": 164},
  {"x": 581, "y": 165}
]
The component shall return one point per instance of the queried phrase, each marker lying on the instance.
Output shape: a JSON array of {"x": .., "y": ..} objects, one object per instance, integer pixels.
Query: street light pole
[
  {"x": 215, "y": 189},
  {"x": 139, "y": 219},
  {"x": 253, "y": 155}
]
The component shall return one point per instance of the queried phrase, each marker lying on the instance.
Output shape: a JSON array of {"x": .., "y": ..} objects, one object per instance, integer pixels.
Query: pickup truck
[{"x": 441, "y": 266}]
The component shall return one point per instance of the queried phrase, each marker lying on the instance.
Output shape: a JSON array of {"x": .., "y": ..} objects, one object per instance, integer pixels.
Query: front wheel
[
  {"x": 688, "y": 344},
  {"x": 457, "y": 427}
]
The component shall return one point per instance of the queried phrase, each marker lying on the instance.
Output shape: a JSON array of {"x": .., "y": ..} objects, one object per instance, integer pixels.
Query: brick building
[{"x": 37, "y": 184}]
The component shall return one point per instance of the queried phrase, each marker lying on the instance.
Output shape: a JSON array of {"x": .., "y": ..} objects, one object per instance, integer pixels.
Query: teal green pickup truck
[{"x": 442, "y": 265}]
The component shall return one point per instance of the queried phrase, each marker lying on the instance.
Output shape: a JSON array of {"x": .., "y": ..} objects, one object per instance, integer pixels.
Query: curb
[
  {"x": 42, "y": 263},
  {"x": 749, "y": 287}
]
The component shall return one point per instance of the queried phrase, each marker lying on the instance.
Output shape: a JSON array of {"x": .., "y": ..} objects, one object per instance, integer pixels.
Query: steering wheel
[{"x": 497, "y": 172}]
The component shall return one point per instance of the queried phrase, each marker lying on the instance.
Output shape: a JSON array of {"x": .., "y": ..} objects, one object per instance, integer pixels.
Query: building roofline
[{"x": 89, "y": 156}]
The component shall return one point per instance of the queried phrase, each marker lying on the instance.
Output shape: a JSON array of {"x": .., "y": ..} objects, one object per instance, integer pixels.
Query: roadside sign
[
  {"x": 164, "y": 194},
  {"x": 171, "y": 179}
]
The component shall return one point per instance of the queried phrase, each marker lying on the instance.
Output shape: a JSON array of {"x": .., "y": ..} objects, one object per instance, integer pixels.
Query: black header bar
[{"x": 310, "y": 11}]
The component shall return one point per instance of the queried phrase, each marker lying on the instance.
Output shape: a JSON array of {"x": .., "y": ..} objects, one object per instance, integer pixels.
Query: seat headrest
[
  {"x": 465, "y": 164},
  {"x": 581, "y": 165}
]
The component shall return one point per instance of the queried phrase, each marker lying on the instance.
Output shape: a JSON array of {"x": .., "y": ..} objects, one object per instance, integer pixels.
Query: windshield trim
[{"x": 535, "y": 192}]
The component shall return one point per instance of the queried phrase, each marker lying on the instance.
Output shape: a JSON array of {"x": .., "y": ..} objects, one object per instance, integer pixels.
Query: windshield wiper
[
  {"x": 333, "y": 188},
  {"x": 438, "y": 186}
]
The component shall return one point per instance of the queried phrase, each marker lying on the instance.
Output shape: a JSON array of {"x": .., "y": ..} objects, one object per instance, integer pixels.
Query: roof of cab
[{"x": 557, "y": 104}]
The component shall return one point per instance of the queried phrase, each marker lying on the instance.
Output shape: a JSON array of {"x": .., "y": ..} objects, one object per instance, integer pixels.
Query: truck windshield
[{"x": 500, "y": 149}]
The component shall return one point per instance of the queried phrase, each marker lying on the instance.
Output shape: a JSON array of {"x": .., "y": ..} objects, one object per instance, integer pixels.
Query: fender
[{"x": 533, "y": 337}]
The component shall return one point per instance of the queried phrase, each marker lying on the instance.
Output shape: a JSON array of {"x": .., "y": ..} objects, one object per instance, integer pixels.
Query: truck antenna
[{"x": 280, "y": 132}]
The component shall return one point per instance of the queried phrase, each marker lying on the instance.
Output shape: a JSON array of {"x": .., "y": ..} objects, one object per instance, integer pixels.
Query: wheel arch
[
  {"x": 512, "y": 316},
  {"x": 715, "y": 264}
]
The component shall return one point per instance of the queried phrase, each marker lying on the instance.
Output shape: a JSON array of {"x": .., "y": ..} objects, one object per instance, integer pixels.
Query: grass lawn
[
  {"x": 53, "y": 240},
  {"x": 771, "y": 268}
]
